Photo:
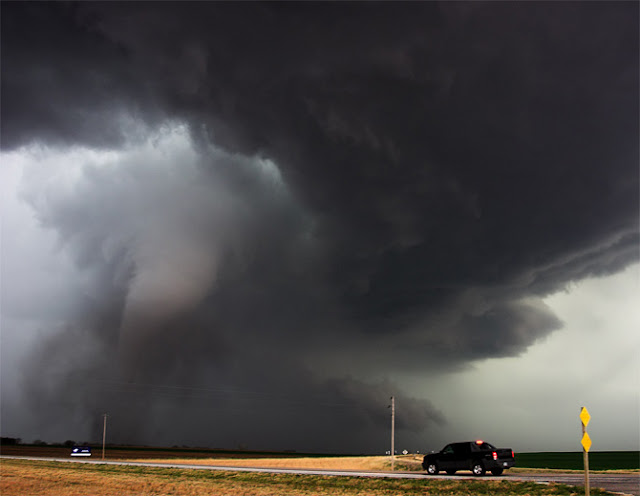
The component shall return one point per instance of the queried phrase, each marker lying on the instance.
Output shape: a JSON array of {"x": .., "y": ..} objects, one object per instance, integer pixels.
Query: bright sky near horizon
[{"x": 593, "y": 361}]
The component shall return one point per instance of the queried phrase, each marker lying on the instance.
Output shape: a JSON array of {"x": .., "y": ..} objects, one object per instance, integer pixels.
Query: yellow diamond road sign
[
  {"x": 586, "y": 442},
  {"x": 584, "y": 416}
]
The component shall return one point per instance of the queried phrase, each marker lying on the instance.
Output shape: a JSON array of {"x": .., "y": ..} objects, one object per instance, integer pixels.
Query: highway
[{"x": 624, "y": 483}]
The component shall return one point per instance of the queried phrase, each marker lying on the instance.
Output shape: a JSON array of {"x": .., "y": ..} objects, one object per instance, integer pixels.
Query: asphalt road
[{"x": 627, "y": 483}]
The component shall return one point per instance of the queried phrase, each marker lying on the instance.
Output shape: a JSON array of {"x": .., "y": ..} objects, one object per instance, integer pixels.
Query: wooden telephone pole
[
  {"x": 393, "y": 432},
  {"x": 104, "y": 433}
]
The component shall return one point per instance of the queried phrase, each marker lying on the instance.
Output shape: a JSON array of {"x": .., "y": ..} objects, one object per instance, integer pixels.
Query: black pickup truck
[{"x": 476, "y": 456}]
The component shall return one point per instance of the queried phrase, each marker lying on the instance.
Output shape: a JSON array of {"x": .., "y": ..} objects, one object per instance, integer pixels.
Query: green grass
[{"x": 598, "y": 460}]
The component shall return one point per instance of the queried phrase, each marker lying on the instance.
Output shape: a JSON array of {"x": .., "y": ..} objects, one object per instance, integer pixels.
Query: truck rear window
[{"x": 483, "y": 446}]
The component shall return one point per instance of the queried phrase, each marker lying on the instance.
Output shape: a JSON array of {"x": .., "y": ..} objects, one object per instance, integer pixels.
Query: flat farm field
[
  {"x": 598, "y": 460},
  {"x": 42, "y": 477}
]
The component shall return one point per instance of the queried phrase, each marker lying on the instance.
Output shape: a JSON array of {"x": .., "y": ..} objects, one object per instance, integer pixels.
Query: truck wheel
[
  {"x": 478, "y": 469},
  {"x": 496, "y": 471},
  {"x": 432, "y": 469}
]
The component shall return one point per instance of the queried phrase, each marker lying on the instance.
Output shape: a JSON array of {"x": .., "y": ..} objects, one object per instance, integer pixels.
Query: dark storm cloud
[{"x": 443, "y": 167}]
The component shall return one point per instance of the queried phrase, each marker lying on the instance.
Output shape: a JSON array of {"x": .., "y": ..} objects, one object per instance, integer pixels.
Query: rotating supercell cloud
[{"x": 258, "y": 214}]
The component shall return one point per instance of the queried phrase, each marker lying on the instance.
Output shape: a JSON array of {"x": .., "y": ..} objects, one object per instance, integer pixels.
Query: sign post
[{"x": 586, "y": 446}]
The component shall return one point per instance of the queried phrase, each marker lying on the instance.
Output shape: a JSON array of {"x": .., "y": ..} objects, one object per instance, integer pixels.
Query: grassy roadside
[
  {"x": 404, "y": 463},
  {"x": 27, "y": 477}
]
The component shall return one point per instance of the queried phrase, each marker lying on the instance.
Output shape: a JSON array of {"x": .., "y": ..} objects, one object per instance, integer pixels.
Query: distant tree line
[
  {"x": 9, "y": 441},
  {"x": 12, "y": 441}
]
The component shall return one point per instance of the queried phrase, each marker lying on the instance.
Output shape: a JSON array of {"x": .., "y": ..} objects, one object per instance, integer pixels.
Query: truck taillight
[
  {"x": 495, "y": 455},
  {"x": 513, "y": 455}
]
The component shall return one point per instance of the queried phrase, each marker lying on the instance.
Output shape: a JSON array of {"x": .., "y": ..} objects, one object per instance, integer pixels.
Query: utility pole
[
  {"x": 393, "y": 432},
  {"x": 104, "y": 433}
]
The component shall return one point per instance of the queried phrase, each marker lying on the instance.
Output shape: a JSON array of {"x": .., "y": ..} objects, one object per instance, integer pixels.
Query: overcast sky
[{"x": 243, "y": 224}]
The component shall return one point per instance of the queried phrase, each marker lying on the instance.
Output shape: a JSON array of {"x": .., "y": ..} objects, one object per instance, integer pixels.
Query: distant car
[
  {"x": 81, "y": 451},
  {"x": 476, "y": 456}
]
